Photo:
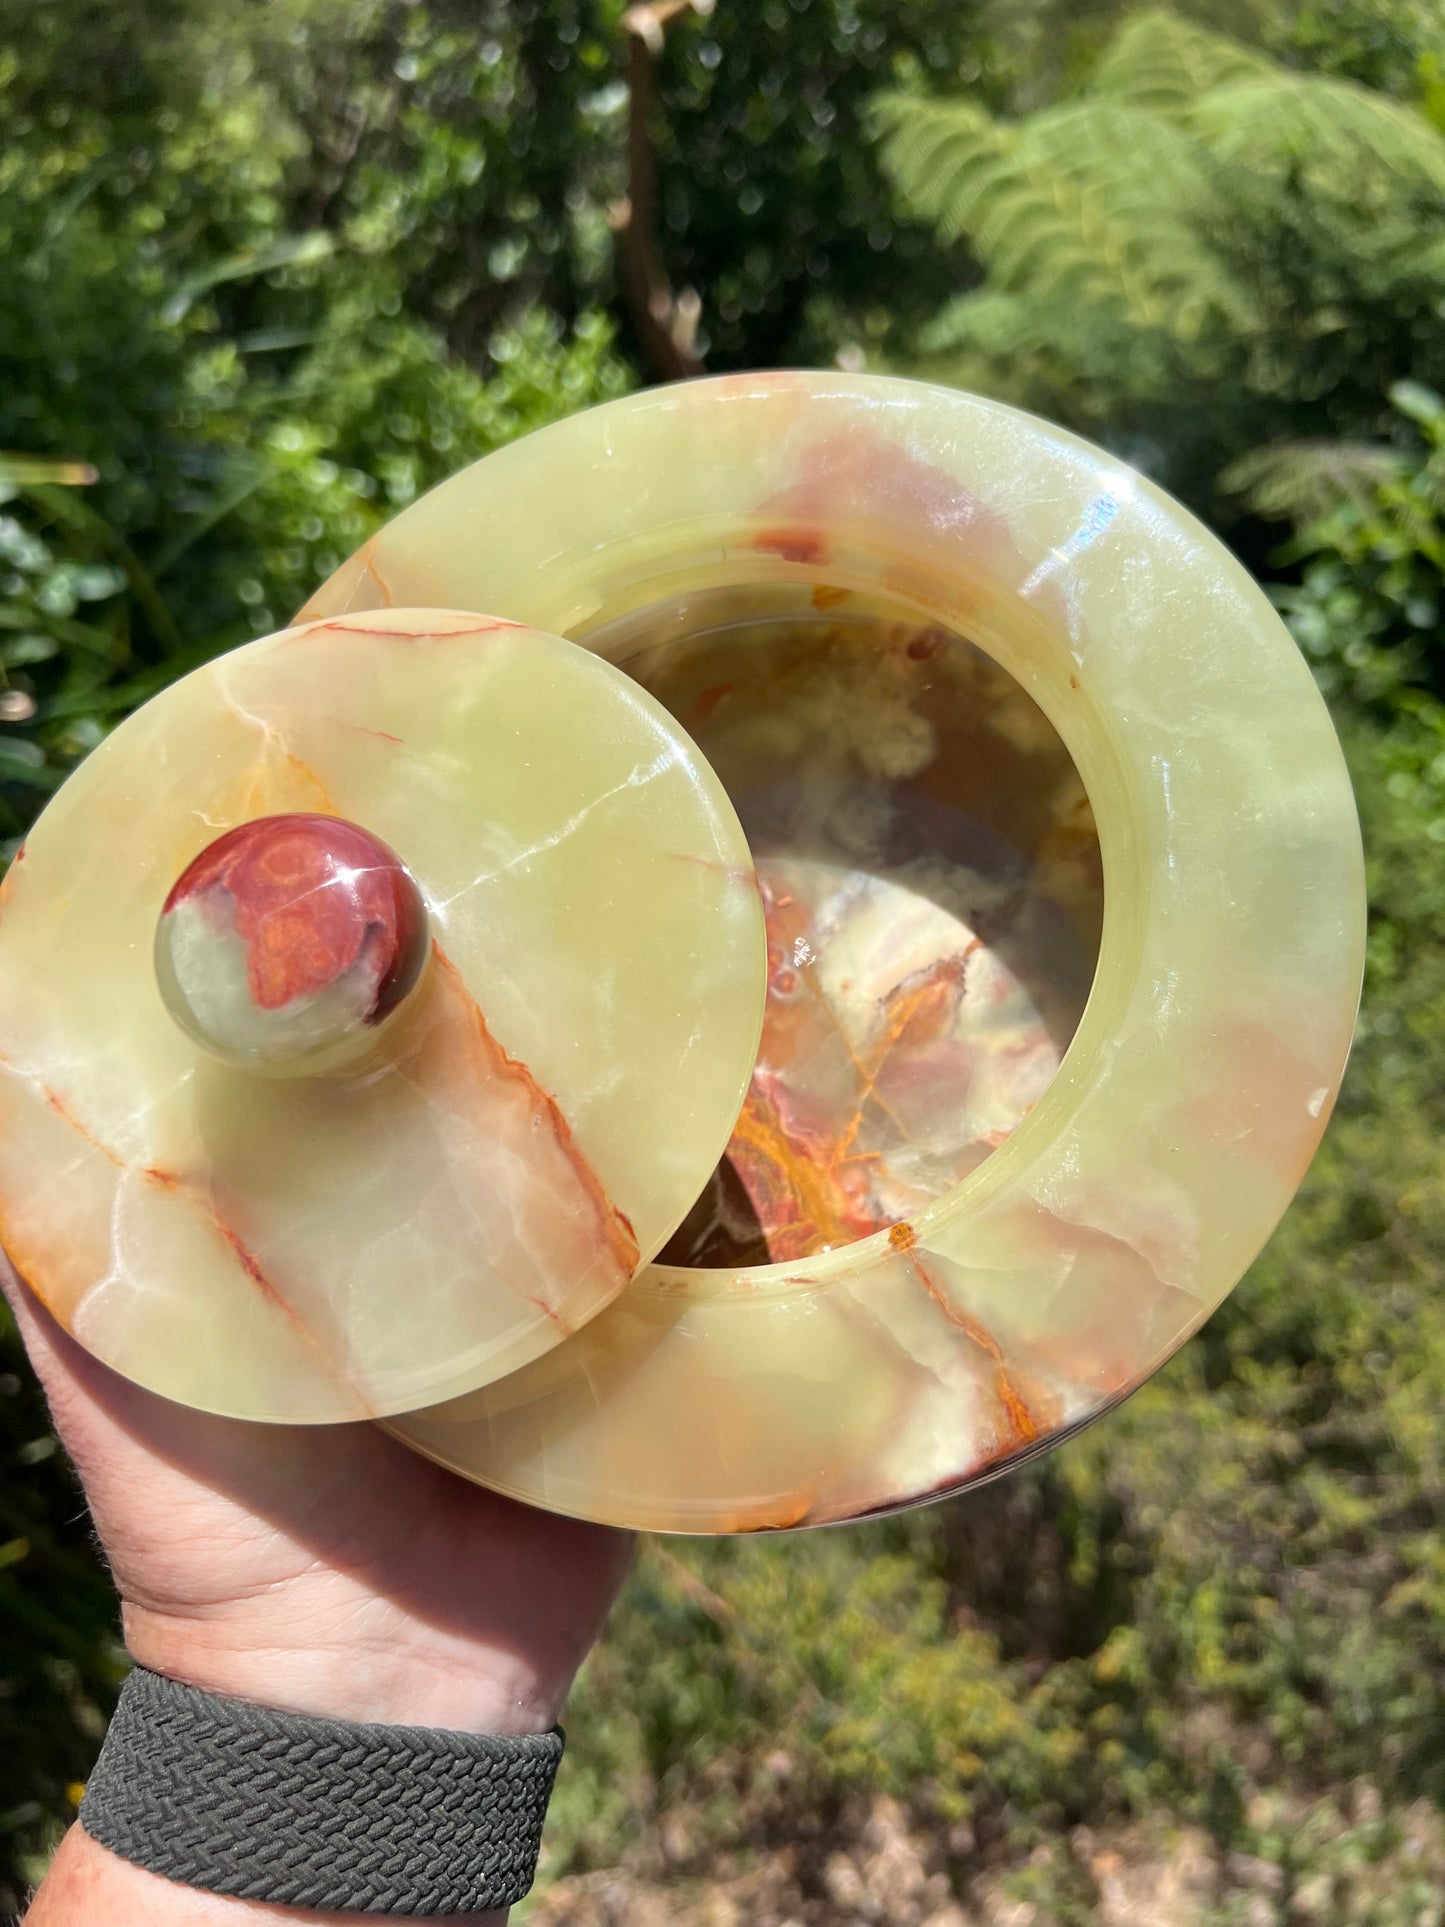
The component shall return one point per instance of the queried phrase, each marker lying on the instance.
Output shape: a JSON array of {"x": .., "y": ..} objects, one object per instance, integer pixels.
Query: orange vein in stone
[
  {"x": 867, "y": 1079},
  {"x": 950, "y": 968},
  {"x": 190, "y": 1191},
  {"x": 824, "y": 596},
  {"x": 23, "y": 1267},
  {"x": 273, "y": 740},
  {"x": 1021, "y": 1423},
  {"x": 761, "y": 1130},
  {"x": 770, "y": 1515},
  {"x": 617, "y": 1232},
  {"x": 911, "y": 999},
  {"x": 850, "y": 1138},
  {"x": 367, "y": 559},
  {"x": 198, "y": 1196}
]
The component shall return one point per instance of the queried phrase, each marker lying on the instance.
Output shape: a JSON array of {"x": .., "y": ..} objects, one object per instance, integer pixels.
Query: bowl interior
[{"x": 933, "y": 889}]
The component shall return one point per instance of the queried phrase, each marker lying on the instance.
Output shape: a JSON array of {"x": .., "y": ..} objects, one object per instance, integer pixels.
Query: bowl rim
[{"x": 1234, "y": 905}]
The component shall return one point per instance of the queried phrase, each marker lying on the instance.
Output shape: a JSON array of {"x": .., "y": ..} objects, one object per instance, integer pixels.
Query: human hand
[{"x": 321, "y": 1569}]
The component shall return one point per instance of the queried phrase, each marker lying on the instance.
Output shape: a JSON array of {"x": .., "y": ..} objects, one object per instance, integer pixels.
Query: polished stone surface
[
  {"x": 899, "y": 1050},
  {"x": 1054, "y": 1277},
  {"x": 934, "y": 895},
  {"x": 536, "y": 1116},
  {"x": 287, "y": 943}
]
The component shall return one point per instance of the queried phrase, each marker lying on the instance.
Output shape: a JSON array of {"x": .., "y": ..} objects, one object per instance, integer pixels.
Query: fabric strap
[{"x": 244, "y": 1800}]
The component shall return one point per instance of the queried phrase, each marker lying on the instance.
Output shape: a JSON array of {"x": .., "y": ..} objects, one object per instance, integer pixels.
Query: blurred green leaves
[
  {"x": 1365, "y": 573},
  {"x": 1201, "y": 251}
]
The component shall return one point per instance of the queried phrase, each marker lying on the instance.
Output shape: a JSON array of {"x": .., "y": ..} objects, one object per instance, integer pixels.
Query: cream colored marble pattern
[
  {"x": 536, "y": 1118},
  {"x": 1129, "y": 1201}
]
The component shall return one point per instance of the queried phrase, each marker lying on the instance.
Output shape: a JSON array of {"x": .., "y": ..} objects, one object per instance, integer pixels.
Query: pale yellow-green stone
[
  {"x": 1066, "y": 1268},
  {"x": 536, "y": 1119}
]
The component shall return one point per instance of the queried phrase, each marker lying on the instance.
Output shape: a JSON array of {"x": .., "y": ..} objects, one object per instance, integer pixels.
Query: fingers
[
  {"x": 196, "y": 1509},
  {"x": 146, "y": 1463},
  {"x": 64, "y": 1368}
]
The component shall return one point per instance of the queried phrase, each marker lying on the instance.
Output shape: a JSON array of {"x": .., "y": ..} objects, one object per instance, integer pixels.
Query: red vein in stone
[
  {"x": 742, "y": 873},
  {"x": 251, "y": 1265},
  {"x": 708, "y": 701},
  {"x": 198, "y": 1196},
  {"x": 910, "y": 999},
  {"x": 345, "y": 626},
  {"x": 617, "y": 1232},
  {"x": 867, "y": 1079},
  {"x": 191, "y": 1192},
  {"x": 792, "y": 544},
  {"x": 62, "y": 1110},
  {"x": 8, "y": 881}
]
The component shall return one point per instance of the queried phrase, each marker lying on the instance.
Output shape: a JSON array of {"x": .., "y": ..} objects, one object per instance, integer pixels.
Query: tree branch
[{"x": 666, "y": 323}]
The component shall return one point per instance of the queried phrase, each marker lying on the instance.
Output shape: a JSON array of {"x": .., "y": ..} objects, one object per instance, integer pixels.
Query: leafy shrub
[
  {"x": 98, "y": 610},
  {"x": 1368, "y": 607},
  {"x": 1202, "y": 251}
]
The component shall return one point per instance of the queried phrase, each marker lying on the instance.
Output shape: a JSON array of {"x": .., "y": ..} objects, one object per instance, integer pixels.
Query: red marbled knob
[{"x": 288, "y": 940}]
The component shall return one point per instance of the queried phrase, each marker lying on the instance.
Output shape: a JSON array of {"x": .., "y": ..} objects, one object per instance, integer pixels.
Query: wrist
[
  {"x": 376, "y": 1665},
  {"x": 87, "y": 1883},
  {"x": 227, "y": 1800}
]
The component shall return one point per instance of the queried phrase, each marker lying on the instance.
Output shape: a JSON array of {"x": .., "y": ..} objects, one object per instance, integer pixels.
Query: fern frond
[
  {"x": 943, "y": 156},
  {"x": 1302, "y": 481},
  {"x": 986, "y": 318},
  {"x": 1093, "y": 202},
  {"x": 1026, "y": 339},
  {"x": 1139, "y": 190},
  {"x": 1160, "y": 61},
  {"x": 1320, "y": 121}
]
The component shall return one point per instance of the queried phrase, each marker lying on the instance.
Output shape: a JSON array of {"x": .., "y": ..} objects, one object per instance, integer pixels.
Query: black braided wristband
[{"x": 239, "y": 1799}]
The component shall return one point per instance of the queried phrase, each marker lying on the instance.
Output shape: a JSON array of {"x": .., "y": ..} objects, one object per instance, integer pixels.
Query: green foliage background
[{"x": 271, "y": 271}]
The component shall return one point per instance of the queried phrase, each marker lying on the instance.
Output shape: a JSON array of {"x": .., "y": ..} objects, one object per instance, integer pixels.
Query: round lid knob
[{"x": 284, "y": 945}]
